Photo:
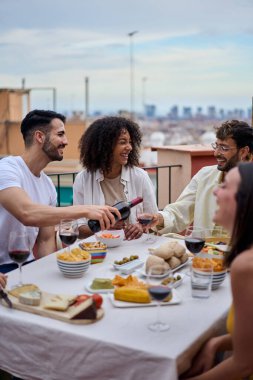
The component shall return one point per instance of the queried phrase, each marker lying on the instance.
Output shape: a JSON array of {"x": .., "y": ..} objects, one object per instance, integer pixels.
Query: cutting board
[{"x": 60, "y": 315}]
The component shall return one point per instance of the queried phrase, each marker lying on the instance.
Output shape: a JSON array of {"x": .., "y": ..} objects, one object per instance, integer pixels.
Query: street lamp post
[
  {"x": 131, "y": 34},
  {"x": 144, "y": 80}
]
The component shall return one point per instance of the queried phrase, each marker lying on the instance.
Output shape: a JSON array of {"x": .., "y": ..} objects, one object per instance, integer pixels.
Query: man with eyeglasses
[{"x": 196, "y": 204}]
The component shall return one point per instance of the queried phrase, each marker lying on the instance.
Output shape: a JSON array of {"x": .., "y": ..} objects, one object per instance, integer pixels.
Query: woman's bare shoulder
[{"x": 243, "y": 263}]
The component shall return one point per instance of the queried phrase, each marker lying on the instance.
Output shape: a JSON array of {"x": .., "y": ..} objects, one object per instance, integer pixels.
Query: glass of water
[{"x": 201, "y": 281}]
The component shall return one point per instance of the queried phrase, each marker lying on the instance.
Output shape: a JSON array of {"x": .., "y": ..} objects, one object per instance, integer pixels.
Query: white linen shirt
[
  {"x": 196, "y": 204},
  {"x": 136, "y": 183}
]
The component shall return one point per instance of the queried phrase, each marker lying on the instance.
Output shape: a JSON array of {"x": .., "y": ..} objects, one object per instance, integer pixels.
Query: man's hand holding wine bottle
[{"x": 132, "y": 231}]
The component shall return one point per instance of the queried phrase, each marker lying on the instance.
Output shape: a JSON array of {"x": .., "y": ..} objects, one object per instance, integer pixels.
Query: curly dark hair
[
  {"x": 239, "y": 131},
  {"x": 99, "y": 140},
  {"x": 242, "y": 237}
]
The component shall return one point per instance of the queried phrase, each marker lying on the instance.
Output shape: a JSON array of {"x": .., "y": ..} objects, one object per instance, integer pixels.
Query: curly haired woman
[{"x": 109, "y": 153}]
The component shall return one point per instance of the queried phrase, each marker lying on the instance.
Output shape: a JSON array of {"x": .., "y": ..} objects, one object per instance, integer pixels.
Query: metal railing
[{"x": 69, "y": 177}]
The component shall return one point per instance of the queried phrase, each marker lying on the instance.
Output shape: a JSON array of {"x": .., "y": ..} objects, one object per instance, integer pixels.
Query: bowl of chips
[
  {"x": 97, "y": 251},
  {"x": 75, "y": 263},
  {"x": 219, "y": 270},
  {"x": 112, "y": 238}
]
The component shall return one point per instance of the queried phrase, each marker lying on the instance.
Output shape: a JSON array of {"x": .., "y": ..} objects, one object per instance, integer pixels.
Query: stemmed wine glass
[
  {"x": 159, "y": 292},
  {"x": 19, "y": 248},
  {"x": 145, "y": 219},
  {"x": 68, "y": 231},
  {"x": 195, "y": 239}
]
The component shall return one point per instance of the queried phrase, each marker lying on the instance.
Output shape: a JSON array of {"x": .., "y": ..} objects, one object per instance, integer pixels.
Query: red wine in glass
[
  {"x": 194, "y": 244},
  {"x": 19, "y": 248},
  {"x": 19, "y": 257},
  {"x": 144, "y": 220},
  {"x": 68, "y": 231},
  {"x": 159, "y": 292},
  {"x": 68, "y": 239}
]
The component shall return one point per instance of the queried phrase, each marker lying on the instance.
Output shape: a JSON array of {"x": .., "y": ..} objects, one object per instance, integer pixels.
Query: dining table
[{"x": 119, "y": 346}]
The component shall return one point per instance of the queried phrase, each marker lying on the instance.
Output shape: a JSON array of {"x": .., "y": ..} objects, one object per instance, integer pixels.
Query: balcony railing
[{"x": 64, "y": 183}]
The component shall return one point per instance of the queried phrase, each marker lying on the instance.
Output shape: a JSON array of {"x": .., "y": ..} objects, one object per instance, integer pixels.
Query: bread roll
[
  {"x": 162, "y": 266},
  {"x": 184, "y": 258},
  {"x": 179, "y": 250},
  {"x": 164, "y": 251},
  {"x": 174, "y": 262}
]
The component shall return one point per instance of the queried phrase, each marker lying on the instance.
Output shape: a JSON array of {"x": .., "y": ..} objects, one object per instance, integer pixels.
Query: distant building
[
  {"x": 150, "y": 110},
  {"x": 211, "y": 112},
  {"x": 222, "y": 114},
  {"x": 199, "y": 113},
  {"x": 173, "y": 114},
  {"x": 187, "y": 113}
]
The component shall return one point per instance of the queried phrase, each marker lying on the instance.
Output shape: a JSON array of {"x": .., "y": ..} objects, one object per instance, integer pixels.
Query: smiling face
[
  {"x": 55, "y": 141},
  {"x": 122, "y": 149},
  {"x": 226, "y": 160},
  {"x": 226, "y": 202}
]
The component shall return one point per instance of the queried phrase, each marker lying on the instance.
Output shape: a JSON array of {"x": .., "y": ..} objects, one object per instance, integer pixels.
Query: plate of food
[
  {"x": 100, "y": 285},
  {"x": 152, "y": 260},
  {"x": 142, "y": 272},
  {"x": 176, "y": 280},
  {"x": 215, "y": 249},
  {"x": 174, "y": 300},
  {"x": 128, "y": 264}
]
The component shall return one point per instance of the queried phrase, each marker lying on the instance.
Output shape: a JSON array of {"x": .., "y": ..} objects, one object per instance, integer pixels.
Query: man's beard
[
  {"x": 51, "y": 151},
  {"x": 230, "y": 164}
]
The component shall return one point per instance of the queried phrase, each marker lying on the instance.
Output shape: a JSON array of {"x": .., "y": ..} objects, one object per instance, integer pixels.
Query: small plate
[
  {"x": 178, "y": 282},
  {"x": 219, "y": 247},
  {"x": 174, "y": 301},
  {"x": 144, "y": 274},
  {"x": 129, "y": 267},
  {"x": 104, "y": 291}
]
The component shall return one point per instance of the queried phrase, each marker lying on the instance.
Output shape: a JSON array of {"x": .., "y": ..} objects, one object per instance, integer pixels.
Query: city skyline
[{"x": 190, "y": 53}]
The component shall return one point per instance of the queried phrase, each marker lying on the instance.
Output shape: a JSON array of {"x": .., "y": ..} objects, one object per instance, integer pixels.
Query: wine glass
[
  {"x": 19, "y": 248},
  {"x": 68, "y": 231},
  {"x": 195, "y": 239},
  {"x": 145, "y": 219},
  {"x": 159, "y": 292}
]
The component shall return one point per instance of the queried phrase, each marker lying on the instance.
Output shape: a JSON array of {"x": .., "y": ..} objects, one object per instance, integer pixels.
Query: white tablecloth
[{"x": 119, "y": 346}]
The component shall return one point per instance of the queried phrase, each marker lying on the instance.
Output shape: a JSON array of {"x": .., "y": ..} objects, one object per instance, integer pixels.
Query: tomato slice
[{"x": 98, "y": 299}]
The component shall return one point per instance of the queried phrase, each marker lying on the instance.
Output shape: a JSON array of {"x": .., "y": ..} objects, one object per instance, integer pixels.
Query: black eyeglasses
[{"x": 221, "y": 148}]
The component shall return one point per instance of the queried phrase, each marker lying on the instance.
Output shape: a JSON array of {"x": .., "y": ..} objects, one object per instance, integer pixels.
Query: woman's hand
[
  {"x": 205, "y": 359},
  {"x": 3, "y": 280},
  {"x": 120, "y": 225},
  {"x": 133, "y": 231}
]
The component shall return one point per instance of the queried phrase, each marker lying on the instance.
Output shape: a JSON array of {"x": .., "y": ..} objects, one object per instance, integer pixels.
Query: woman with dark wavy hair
[
  {"x": 235, "y": 213},
  {"x": 109, "y": 154}
]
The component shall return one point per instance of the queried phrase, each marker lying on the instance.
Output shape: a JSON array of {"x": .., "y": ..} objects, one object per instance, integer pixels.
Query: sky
[{"x": 186, "y": 52}]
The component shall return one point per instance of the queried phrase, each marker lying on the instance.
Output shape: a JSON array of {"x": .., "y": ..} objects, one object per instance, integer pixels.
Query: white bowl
[
  {"x": 218, "y": 278},
  {"x": 73, "y": 269},
  {"x": 114, "y": 241}
]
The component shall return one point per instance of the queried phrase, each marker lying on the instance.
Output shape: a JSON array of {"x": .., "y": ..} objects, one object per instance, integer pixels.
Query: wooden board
[{"x": 60, "y": 315}]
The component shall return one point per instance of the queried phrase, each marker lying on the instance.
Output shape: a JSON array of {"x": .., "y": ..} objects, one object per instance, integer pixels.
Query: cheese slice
[
  {"x": 30, "y": 298},
  {"x": 23, "y": 289},
  {"x": 58, "y": 302}
]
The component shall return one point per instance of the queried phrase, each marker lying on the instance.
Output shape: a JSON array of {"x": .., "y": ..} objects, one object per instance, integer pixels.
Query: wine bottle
[{"x": 124, "y": 209}]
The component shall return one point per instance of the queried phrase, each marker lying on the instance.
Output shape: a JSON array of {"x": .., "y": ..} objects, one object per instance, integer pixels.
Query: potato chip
[{"x": 75, "y": 255}]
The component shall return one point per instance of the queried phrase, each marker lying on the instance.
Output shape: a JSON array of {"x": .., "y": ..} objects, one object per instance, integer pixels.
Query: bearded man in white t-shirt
[{"x": 28, "y": 196}]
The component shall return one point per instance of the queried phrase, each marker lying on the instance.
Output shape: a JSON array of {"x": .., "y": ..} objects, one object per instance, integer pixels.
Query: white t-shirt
[{"x": 15, "y": 173}]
